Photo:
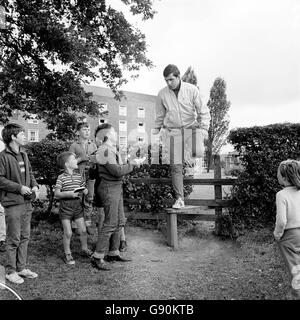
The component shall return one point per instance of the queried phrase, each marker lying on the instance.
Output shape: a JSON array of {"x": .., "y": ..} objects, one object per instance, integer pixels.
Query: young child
[
  {"x": 83, "y": 148},
  {"x": 287, "y": 227},
  {"x": 17, "y": 188},
  {"x": 70, "y": 205},
  {"x": 110, "y": 192}
]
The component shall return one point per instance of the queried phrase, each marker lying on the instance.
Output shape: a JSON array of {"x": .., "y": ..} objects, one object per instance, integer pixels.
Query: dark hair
[
  {"x": 101, "y": 127},
  {"x": 171, "y": 68},
  {"x": 80, "y": 125},
  {"x": 11, "y": 129},
  {"x": 290, "y": 170},
  {"x": 63, "y": 158}
]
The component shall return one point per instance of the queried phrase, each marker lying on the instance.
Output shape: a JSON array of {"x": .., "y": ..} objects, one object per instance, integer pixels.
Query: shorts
[{"x": 70, "y": 209}]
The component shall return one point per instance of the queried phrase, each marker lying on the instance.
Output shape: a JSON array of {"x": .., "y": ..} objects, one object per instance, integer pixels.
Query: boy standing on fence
[
  {"x": 70, "y": 203},
  {"x": 18, "y": 188},
  {"x": 287, "y": 227},
  {"x": 110, "y": 192},
  {"x": 83, "y": 148}
]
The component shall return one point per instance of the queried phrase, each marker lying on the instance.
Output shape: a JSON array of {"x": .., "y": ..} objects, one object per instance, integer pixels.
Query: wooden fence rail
[{"x": 193, "y": 208}]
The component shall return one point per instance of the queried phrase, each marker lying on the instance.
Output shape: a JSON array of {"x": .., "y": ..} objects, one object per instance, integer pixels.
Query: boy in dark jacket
[
  {"x": 17, "y": 188},
  {"x": 110, "y": 193}
]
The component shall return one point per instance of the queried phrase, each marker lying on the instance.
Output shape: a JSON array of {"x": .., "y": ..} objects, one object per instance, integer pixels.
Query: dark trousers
[
  {"x": 17, "y": 237},
  {"x": 111, "y": 195}
]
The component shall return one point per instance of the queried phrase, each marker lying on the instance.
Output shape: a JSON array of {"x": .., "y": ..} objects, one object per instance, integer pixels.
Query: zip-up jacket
[
  {"x": 10, "y": 178},
  {"x": 109, "y": 164},
  {"x": 186, "y": 111}
]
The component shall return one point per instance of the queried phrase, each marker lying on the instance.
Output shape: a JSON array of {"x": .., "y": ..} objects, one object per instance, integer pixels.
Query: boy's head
[
  {"x": 172, "y": 76},
  {"x": 106, "y": 132},
  {"x": 14, "y": 132},
  {"x": 83, "y": 130},
  {"x": 67, "y": 160}
]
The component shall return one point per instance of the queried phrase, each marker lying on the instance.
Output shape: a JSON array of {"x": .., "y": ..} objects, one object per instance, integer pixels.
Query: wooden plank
[
  {"x": 218, "y": 189},
  {"x": 193, "y": 202},
  {"x": 191, "y": 181},
  {"x": 199, "y": 217},
  {"x": 185, "y": 210},
  {"x": 145, "y": 216},
  {"x": 172, "y": 237}
]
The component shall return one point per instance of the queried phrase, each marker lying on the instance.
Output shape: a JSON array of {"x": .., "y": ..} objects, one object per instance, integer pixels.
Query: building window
[
  {"x": 103, "y": 108},
  {"x": 140, "y": 139},
  {"x": 33, "y": 135},
  {"x": 141, "y": 112},
  {"x": 123, "y": 111},
  {"x": 122, "y": 125},
  {"x": 141, "y": 127},
  {"x": 122, "y": 142},
  {"x": 102, "y": 120},
  {"x": 33, "y": 119}
]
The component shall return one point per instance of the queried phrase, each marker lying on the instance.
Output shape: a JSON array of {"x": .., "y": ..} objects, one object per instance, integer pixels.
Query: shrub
[
  {"x": 255, "y": 189},
  {"x": 151, "y": 197},
  {"x": 42, "y": 157}
]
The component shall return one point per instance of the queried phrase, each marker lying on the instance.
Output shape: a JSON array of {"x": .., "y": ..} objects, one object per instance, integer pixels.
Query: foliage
[
  {"x": 151, "y": 197},
  {"x": 262, "y": 149},
  {"x": 42, "y": 156},
  {"x": 218, "y": 126},
  {"x": 51, "y": 47},
  {"x": 190, "y": 76}
]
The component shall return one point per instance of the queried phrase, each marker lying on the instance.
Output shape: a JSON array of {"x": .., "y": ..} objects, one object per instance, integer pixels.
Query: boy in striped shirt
[{"x": 70, "y": 203}]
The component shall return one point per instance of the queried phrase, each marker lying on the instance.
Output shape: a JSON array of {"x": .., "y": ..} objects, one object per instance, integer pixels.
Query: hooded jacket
[
  {"x": 10, "y": 178},
  {"x": 186, "y": 111}
]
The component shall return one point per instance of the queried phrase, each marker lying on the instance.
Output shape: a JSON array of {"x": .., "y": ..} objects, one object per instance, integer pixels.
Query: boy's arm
[
  {"x": 118, "y": 170},
  {"x": 58, "y": 194},
  {"x": 281, "y": 218},
  {"x": 203, "y": 114},
  {"x": 33, "y": 182},
  {"x": 160, "y": 113},
  {"x": 6, "y": 184}
]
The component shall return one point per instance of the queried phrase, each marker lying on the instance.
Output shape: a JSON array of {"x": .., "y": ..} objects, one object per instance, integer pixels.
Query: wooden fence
[{"x": 193, "y": 209}]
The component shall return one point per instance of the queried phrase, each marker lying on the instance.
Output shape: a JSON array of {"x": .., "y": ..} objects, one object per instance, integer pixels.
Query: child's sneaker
[
  {"x": 69, "y": 259},
  {"x": 178, "y": 204},
  {"x": 123, "y": 246},
  {"x": 26, "y": 273},
  {"x": 296, "y": 281},
  {"x": 87, "y": 253},
  {"x": 14, "y": 278}
]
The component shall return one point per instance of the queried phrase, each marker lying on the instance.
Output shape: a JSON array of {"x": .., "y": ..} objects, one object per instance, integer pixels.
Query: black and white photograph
[{"x": 150, "y": 153}]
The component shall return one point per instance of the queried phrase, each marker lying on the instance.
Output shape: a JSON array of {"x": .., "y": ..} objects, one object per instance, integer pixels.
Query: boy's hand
[
  {"x": 25, "y": 191},
  {"x": 138, "y": 161},
  {"x": 93, "y": 158},
  {"x": 74, "y": 194},
  {"x": 155, "y": 131},
  {"x": 85, "y": 191},
  {"x": 35, "y": 189}
]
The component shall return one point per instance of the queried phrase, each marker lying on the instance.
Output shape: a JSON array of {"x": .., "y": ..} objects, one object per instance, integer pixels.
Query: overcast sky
[{"x": 253, "y": 44}]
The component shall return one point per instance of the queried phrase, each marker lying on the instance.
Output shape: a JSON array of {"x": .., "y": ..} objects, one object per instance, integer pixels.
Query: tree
[
  {"x": 218, "y": 106},
  {"x": 52, "y": 47},
  {"x": 190, "y": 76}
]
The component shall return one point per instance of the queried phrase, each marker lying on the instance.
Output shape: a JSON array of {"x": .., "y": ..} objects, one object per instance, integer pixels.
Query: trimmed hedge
[
  {"x": 254, "y": 192},
  {"x": 156, "y": 194}
]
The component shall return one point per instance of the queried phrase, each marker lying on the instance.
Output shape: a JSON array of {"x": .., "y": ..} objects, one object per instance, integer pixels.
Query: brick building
[{"x": 133, "y": 116}]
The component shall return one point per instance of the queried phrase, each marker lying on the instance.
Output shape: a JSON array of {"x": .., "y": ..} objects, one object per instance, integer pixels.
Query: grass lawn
[{"x": 204, "y": 267}]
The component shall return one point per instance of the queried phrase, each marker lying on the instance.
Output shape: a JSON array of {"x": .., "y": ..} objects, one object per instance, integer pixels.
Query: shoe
[
  {"x": 26, "y": 273},
  {"x": 69, "y": 259},
  {"x": 98, "y": 264},
  {"x": 116, "y": 258},
  {"x": 75, "y": 231},
  {"x": 14, "y": 278},
  {"x": 89, "y": 231},
  {"x": 179, "y": 203},
  {"x": 123, "y": 246},
  {"x": 86, "y": 253},
  {"x": 2, "y": 246},
  {"x": 296, "y": 281}
]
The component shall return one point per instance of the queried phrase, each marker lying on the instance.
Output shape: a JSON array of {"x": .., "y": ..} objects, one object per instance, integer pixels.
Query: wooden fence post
[{"x": 218, "y": 190}]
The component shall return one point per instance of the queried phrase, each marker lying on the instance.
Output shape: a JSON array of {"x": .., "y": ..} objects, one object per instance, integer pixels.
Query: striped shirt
[{"x": 68, "y": 182}]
